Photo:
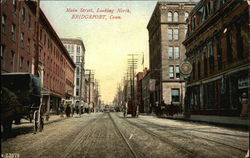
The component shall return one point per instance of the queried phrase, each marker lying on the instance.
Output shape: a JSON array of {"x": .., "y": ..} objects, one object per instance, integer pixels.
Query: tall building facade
[
  {"x": 76, "y": 50},
  {"x": 30, "y": 44},
  {"x": 167, "y": 29},
  {"x": 217, "y": 46}
]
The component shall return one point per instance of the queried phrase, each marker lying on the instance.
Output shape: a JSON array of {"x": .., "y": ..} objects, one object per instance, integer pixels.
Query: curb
[{"x": 220, "y": 124}]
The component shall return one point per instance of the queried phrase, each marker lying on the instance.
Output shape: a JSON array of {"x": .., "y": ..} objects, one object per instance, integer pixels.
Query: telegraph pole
[{"x": 132, "y": 62}]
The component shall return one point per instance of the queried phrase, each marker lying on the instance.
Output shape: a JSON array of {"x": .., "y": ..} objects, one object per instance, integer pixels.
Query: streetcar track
[
  {"x": 79, "y": 138},
  {"x": 198, "y": 137},
  {"x": 123, "y": 137},
  {"x": 163, "y": 139}
]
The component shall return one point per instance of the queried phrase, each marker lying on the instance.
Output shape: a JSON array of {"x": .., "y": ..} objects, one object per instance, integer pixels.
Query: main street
[{"x": 110, "y": 135}]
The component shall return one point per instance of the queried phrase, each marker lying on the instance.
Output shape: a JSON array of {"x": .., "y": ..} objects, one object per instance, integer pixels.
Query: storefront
[{"x": 220, "y": 95}]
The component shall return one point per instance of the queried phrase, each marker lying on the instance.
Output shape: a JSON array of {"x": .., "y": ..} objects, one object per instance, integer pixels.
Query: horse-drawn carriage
[
  {"x": 20, "y": 98},
  {"x": 131, "y": 108}
]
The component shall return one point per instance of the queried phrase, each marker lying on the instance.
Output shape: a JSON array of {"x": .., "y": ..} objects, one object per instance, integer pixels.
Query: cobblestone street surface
[{"x": 109, "y": 135}]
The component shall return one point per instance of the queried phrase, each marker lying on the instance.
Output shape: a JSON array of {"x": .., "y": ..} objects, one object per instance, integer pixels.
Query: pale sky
[{"x": 107, "y": 42}]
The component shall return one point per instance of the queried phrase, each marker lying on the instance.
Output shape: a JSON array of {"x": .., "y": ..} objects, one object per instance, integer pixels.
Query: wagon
[{"x": 20, "y": 98}]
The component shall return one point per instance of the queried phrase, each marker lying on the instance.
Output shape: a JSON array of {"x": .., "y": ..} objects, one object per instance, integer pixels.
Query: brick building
[
  {"x": 167, "y": 29},
  {"x": 217, "y": 45},
  {"x": 17, "y": 36},
  {"x": 146, "y": 91},
  {"x": 28, "y": 47},
  {"x": 139, "y": 77}
]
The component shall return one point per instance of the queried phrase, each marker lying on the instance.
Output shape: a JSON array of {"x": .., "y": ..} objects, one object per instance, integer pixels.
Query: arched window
[
  {"x": 176, "y": 17},
  {"x": 170, "y": 16},
  {"x": 186, "y": 16}
]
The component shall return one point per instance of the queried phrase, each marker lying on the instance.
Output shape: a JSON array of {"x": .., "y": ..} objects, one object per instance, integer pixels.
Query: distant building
[
  {"x": 217, "y": 45},
  {"x": 167, "y": 30},
  {"x": 139, "y": 77},
  {"x": 76, "y": 50},
  {"x": 146, "y": 91}
]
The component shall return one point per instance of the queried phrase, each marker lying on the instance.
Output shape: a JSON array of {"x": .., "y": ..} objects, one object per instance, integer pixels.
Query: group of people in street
[{"x": 69, "y": 108}]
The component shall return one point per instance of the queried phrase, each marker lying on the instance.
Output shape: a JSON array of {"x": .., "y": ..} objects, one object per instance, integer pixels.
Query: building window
[
  {"x": 4, "y": 18},
  {"x": 186, "y": 16},
  {"x": 41, "y": 34},
  {"x": 170, "y": 16},
  {"x": 77, "y": 71},
  {"x": 44, "y": 40},
  {"x": 22, "y": 39},
  {"x": 170, "y": 53},
  {"x": 28, "y": 44},
  {"x": 175, "y": 93},
  {"x": 72, "y": 48},
  {"x": 211, "y": 56},
  {"x": 171, "y": 72},
  {"x": 2, "y": 57},
  {"x": 21, "y": 64},
  {"x": 77, "y": 92},
  {"x": 219, "y": 53},
  {"x": 176, "y": 17},
  {"x": 12, "y": 61},
  {"x": 199, "y": 69},
  {"x": 177, "y": 71},
  {"x": 194, "y": 70},
  {"x": 176, "y": 34},
  {"x": 14, "y": 5},
  {"x": 78, "y": 50},
  {"x": 78, "y": 59},
  {"x": 170, "y": 34},
  {"x": 28, "y": 66},
  {"x": 77, "y": 81},
  {"x": 205, "y": 65},
  {"x": 229, "y": 47},
  {"x": 23, "y": 14},
  {"x": 29, "y": 22},
  {"x": 13, "y": 32},
  {"x": 239, "y": 41},
  {"x": 176, "y": 53}
]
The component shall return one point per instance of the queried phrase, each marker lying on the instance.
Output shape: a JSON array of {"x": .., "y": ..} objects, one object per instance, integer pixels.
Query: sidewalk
[
  {"x": 26, "y": 123},
  {"x": 234, "y": 122}
]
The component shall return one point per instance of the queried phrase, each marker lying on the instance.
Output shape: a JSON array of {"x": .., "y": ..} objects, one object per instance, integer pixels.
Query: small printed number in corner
[{"x": 10, "y": 155}]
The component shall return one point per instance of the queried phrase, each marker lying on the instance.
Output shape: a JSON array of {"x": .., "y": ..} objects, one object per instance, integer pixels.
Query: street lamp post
[{"x": 185, "y": 70}]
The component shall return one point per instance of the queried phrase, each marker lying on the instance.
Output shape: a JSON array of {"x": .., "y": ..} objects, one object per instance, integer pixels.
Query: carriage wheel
[{"x": 35, "y": 122}]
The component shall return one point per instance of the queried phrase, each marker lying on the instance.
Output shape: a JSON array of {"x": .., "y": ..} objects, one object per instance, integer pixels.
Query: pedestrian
[
  {"x": 61, "y": 108},
  {"x": 67, "y": 110},
  {"x": 77, "y": 109},
  {"x": 72, "y": 109},
  {"x": 244, "y": 105}
]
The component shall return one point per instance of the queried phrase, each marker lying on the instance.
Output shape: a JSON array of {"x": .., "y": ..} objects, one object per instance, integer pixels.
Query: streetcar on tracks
[{"x": 131, "y": 108}]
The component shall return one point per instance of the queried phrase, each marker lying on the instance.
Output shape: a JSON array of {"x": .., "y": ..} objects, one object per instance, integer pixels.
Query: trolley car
[{"x": 131, "y": 108}]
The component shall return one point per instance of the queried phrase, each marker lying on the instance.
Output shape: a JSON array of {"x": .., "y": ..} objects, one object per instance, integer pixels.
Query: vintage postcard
[{"x": 123, "y": 79}]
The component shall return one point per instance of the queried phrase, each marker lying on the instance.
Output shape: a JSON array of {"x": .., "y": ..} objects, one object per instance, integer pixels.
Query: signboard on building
[
  {"x": 243, "y": 83},
  {"x": 186, "y": 69}
]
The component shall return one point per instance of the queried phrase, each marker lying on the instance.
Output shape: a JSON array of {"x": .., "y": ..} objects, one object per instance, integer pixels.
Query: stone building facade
[
  {"x": 217, "y": 45},
  {"x": 167, "y": 29},
  {"x": 76, "y": 50}
]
